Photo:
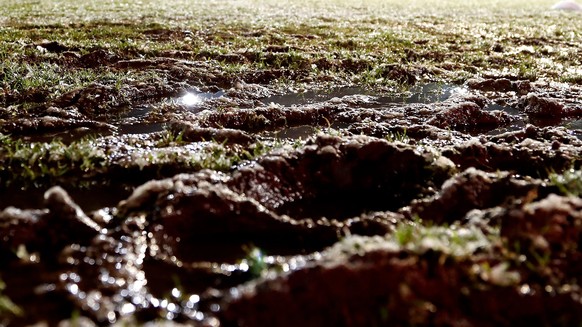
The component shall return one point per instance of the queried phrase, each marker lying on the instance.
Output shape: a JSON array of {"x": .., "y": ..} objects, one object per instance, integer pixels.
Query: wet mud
[{"x": 217, "y": 201}]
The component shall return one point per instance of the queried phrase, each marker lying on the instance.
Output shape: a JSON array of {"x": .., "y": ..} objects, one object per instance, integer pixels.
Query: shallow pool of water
[
  {"x": 425, "y": 93},
  {"x": 195, "y": 97},
  {"x": 133, "y": 123}
]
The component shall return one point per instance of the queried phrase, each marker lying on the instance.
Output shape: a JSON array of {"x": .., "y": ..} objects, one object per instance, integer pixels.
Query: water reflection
[
  {"x": 430, "y": 93},
  {"x": 135, "y": 120},
  {"x": 425, "y": 93},
  {"x": 190, "y": 99},
  {"x": 194, "y": 97},
  {"x": 510, "y": 110}
]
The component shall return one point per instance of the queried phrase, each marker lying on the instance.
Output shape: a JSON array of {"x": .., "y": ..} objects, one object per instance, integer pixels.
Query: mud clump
[
  {"x": 473, "y": 189},
  {"x": 550, "y": 230},
  {"x": 334, "y": 169},
  {"x": 522, "y": 154},
  {"x": 98, "y": 58},
  {"x": 542, "y": 107},
  {"x": 499, "y": 85},
  {"x": 469, "y": 115},
  {"x": 51, "y": 124},
  {"x": 258, "y": 204},
  {"x": 301, "y": 296},
  {"x": 34, "y": 231},
  {"x": 53, "y": 46},
  {"x": 192, "y": 133},
  {"x": 427, "y": 285},
  {"x": 103, "y": 101}
]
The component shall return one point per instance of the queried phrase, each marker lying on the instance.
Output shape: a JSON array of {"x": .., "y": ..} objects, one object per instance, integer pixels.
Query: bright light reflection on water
[{"x": 190, "y": 99}]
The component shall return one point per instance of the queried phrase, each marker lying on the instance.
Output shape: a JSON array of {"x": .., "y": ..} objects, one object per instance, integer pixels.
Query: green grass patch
[{"x": 569, "y": 182}]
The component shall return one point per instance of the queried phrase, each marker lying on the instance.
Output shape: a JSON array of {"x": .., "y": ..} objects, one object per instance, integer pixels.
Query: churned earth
[{"x": 319, "y": 163}]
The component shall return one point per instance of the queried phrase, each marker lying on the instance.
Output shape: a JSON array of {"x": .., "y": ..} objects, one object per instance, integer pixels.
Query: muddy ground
[{"x": 328, "y": 164}]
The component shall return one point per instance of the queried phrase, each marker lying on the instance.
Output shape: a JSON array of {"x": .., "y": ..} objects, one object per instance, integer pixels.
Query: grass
[
  {"x": 352, "y": 43},
  {"x": 45, "y": 163},
  {"x": 397, "y": 136},
  {"x": 418, "y": 237},
  {"x": 255, "y": 261},
  {"x": 569, "y": 182},
  {"x": 7, "y": 307},
  {"x": 39, "y": 162}
]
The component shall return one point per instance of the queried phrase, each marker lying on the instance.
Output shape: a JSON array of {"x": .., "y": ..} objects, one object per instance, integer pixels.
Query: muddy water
[
  {"x": 425, "y": 93},
  {"x": 431, "y": 93},
  {"x": 136, "y": 122}
]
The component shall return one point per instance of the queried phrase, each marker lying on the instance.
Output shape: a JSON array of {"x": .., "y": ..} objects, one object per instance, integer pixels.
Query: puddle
[
  {"x": 576, "y": 127},
  {"x": 426, "y": 93},
  {"x": 429, "y": 93},
  {"x": 310, "y": 97},
  {"x": 194, "y": 97},
  {"x": 191, "y": 99},
  {"x": 139, "y": 112}
]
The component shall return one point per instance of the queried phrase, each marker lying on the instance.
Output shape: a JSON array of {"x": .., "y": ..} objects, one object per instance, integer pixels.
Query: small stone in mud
[{"x": 471, "y": 189}]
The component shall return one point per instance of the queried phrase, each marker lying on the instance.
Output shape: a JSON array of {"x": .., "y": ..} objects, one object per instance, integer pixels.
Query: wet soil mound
[{"x": 445, "y": 278}]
